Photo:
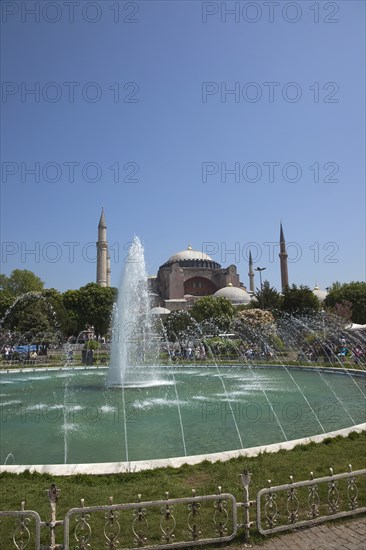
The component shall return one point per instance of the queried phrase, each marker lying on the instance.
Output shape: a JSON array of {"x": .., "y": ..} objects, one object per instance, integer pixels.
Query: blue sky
[{"x": 146, "y": 89}]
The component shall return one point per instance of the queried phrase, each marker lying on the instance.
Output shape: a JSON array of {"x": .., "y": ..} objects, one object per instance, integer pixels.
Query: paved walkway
[{"x": 350, "y": 535}]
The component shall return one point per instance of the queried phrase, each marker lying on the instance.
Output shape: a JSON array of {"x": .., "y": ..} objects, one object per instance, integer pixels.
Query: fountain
[
  {"x": 133, "y": 342},
  {"x": 140, "y": 414}
]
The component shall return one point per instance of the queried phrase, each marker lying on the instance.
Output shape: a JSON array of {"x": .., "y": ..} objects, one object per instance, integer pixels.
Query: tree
[
  {"x": 178, "y": 325},
  {"x": 344, "y": 310},
  {"x": 65, "y": 323},
  {"x": 6, "y": 301},
  {"x": 38, "y": 313},
  {"x": 91, "y": 305},
  {"x": 219, "y": 311},
  {"x": 33, "y": 318},
  {"x": 299, "y": 300},
  {"x": 268, "y": 296},
  {"x": 20, "y": 282},
  {"x": 335, "y": 286},
  {"x": 257, "y": 319},
  {"x": 255, "y": 324},
  {"x": 354, "y": 293}
]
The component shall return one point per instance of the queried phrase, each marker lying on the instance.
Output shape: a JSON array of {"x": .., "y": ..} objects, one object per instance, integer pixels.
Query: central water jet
[{"x": 134, "y": 343}]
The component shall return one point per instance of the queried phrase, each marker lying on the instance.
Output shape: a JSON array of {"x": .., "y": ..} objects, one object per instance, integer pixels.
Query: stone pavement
[{"x": 350, "y": 535}]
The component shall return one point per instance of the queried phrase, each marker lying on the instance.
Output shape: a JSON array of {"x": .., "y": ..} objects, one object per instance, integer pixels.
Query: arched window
[{"x": 199, "y": 286}]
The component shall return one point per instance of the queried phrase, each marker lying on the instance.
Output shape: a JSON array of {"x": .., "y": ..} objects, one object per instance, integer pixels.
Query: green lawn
[{"x": 337, "y": 453}]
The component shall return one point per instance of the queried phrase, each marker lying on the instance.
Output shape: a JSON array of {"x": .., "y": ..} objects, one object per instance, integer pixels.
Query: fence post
[
  {"x": 245, "y": 478},
  {"x": 53, "y": 493}
]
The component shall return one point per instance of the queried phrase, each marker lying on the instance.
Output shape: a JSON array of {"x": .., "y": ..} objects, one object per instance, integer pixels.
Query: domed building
[
  {"x": 159, "y": 311},
  {"x": 320, "y": 294},
  {"x": 237, "y": 296},
  {"x": 189, "y": 275}
]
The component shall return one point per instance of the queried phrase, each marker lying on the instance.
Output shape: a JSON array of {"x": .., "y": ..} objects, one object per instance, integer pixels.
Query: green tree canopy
[
  {"x": 220, "y": 311},
  {"x": 178, "y": 325},
  {"x": 269, "y": 296},
  {"x": 354, "y": 293},
  {"x": 37, "y": 312},
  {"x": 6, "y": 301},
  {"x": 34, "y": 318},
  {"x": 90, "y": 305},
  {"x": 65, "y": 323},
  {"x": 299, "y": 300},
  {"x": 20, "y": 281}
]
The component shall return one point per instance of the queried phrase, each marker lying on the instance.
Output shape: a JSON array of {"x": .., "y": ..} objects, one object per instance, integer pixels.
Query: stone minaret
[
  {"x": 108, "y": 270},
  {"x": 102, "y": 252},
  {"x": 251, "y": 273},
  {"x": 283, "y": 261}
]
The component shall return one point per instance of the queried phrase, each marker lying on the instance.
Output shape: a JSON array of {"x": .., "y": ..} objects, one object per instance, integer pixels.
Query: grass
[{"x": 204, "y": 478}]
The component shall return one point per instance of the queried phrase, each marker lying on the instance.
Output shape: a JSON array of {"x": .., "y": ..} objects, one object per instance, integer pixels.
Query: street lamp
[{"x": 260, "y": 269}]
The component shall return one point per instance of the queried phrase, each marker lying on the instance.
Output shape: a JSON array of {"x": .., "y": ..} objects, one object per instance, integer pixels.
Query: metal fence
[
  {"x": 184, "y": 522},
  {"x": 309, "y": 502}
]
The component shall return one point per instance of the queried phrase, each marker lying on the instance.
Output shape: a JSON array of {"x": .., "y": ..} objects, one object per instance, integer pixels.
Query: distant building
[
  {"x": 320, "y": 294},
  {"x": 190, "y": 274}
]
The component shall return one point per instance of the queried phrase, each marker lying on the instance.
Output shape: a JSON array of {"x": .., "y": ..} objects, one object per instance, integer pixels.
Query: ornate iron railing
[
  {"x": 138, "y": 528},
  {"x": 183, "y": 522},
  {"x": 166, "y": 534},
  {"x": 314, "y": 505},
  {"x": 21, "y": 533}
]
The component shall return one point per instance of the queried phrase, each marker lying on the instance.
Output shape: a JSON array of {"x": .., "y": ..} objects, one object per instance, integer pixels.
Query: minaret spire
[
  {"x": 102, "y": 220},
  {"x": 251, "y": 273},
  {"x": 103, "y": 276},
  {"x": 283, "y": 260}
]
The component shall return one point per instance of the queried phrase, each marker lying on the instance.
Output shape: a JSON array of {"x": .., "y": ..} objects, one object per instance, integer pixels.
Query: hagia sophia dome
[{"x": 192, "y": 258}]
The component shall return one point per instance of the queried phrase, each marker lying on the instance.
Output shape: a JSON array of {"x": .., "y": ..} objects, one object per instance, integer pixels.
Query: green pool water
[{"x": 53, "y": 417}]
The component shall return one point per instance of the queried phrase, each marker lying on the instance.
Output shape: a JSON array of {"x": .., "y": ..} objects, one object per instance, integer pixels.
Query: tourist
[
  {"x": 343, "y": 351},
  {"x": 357, "y": 355},
  {"x": 202, "y": 351},
  {"x": 7, "y": 352}
]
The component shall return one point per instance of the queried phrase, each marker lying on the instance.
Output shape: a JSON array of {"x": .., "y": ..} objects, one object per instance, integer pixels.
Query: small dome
[
  {"x": 237, "y": 296},
  {"x": 320, "y": 294},
  {"x": 159, "y": 311},
  {"x": 189, "y": 254}
]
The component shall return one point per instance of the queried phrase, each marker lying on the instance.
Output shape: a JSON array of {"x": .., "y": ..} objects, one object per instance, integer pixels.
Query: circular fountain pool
[{"x": 68, "y": 416}]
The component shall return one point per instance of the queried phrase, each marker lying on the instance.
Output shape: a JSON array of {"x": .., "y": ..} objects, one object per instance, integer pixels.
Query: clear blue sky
[{"x": 167, "y": 124}]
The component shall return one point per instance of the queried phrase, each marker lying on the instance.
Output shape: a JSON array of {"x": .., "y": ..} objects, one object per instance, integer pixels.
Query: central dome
[
  {"x": 190, "y": 254},
  {"x": 192, "y": 258}
]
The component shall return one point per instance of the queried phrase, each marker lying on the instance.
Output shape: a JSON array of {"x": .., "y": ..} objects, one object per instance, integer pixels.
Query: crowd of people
[
  {"x": 189, "y": 352},
  {"x": 334, "y": 352},
  {"x": 341, "y": 351},
  {"x": 201, "y": 351},
  {"x": 328, "y": 352},
  {"x": 28, "y": 353}
]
